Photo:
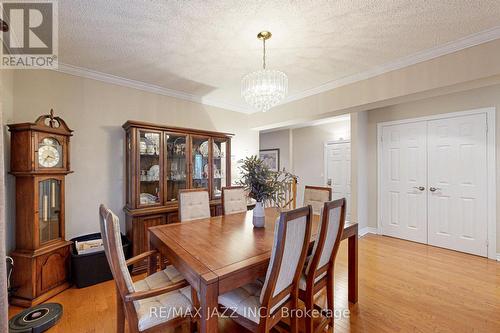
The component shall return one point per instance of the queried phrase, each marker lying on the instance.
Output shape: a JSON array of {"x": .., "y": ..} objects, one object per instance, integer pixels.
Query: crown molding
[
  {"x": 121, "y": 81},
  {"x": 435, "y": 52}
]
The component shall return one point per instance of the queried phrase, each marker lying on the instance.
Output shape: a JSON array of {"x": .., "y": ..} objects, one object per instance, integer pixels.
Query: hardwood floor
[{"x": 403, "y": 287}]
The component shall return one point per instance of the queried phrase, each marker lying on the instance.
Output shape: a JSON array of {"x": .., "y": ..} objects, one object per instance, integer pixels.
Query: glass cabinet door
[
  {"x": 49, "y": 209},
  {"x": 200, "y": 169},
  {"x": 176, "y": 164},
  {"x": 150, "y": 187},
  {"x": 219, "y": 166}
]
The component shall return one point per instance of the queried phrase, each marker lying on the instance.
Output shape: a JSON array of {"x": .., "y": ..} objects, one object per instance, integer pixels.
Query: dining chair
[
  {"x": 318, "y": 273},
  {"x": 258, "y": 306},
  {"x": 193, "y": 204},
  {"x": 162, "y": 299},
  {"x": 316, "y": 196},
  {"x": 233, "y": 200}
]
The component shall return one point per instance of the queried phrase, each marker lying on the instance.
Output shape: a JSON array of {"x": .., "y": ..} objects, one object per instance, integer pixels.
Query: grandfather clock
[{"x": 40, "y": 161}]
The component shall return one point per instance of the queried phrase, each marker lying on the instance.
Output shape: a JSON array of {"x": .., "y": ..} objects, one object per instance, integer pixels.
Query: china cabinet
[
  {"x": 159, "y": 161},
  {"x": 40, "y": 162}
]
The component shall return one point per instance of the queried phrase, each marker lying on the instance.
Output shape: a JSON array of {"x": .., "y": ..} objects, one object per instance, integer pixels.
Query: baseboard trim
[
  {"x": 498, "y": 256},
  {"x": 367, "y": 230}
]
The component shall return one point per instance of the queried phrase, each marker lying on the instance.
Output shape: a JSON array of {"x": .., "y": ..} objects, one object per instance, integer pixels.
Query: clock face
[{"x": 49, "y": 153}]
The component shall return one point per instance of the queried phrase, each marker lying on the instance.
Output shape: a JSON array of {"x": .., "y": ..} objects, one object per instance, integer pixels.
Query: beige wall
[
  {"x": 308, "y": 152},
  {"x": 281, "y": 140},
  {"x": 7, "y": 109},
  {"x": 359, "y": 169},
  {"x": 473, "y": 99},
  {"x": 96, "y": 112}
]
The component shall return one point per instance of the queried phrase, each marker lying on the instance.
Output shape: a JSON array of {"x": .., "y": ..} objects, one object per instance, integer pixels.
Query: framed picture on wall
[{"x": 271, "y": 158}]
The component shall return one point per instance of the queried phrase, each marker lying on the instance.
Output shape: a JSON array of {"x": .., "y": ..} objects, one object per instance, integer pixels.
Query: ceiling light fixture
[{"x": 265, "y": 88}]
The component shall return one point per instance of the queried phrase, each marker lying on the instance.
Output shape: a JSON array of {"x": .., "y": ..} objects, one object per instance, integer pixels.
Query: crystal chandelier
[{"x": 265, "y": 88}]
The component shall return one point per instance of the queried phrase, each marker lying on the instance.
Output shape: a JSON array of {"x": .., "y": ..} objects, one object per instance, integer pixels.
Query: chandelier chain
[{"x": 264, "y": 55}]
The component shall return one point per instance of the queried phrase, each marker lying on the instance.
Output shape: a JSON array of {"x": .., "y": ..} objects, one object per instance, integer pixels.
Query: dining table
[{"x": 221, "y": 253}]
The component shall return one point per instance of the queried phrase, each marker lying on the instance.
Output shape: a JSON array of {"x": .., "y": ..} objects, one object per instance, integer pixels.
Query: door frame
[{"x": 491, "y": 167}]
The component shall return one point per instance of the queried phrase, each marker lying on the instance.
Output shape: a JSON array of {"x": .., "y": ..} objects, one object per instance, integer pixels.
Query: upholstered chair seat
[
  {"x": 179, "y": 299},
  {"x": 193, "y": 205},
  {"x": 234, "y": 200},
  {"x": 257, "y": 305},
  {"x": 316, "y": 196},
  {"x": 244, "y": 300}
]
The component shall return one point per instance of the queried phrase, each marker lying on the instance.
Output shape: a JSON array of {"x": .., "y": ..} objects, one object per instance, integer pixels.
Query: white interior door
[
  {"x": 403, "y": 183},
  {"x": 457, "y": 197},
  {"x": 338, "y": 172}
]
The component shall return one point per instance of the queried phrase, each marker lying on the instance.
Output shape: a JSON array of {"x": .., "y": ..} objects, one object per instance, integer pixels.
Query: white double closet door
[{"x": 433, "y": 182}]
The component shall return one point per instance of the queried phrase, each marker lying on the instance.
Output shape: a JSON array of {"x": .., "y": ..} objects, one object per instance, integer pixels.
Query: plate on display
[
  {"x": 216, "y": 150},
  {"x": 154, "y": 172},
  {"x": 147, "y": 199},
  {"x": 204, "y": 148}
]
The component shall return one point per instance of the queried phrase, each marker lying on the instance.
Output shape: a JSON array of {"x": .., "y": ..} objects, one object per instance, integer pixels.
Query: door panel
[
  {"x": 458, "y": 172},
  {"x": 404, "y": 171},
  {"x": 339, "y": 172}
]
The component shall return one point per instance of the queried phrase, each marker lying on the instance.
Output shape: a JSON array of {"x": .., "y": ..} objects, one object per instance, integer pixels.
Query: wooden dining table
[{"x": 221, "y": 253}]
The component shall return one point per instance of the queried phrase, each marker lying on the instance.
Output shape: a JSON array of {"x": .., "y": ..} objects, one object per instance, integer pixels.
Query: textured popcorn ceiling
[{"x": 205, "y": 47}]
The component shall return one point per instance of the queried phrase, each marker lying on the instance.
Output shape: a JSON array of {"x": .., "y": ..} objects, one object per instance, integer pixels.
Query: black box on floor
[{"x": 92, "y": 268}]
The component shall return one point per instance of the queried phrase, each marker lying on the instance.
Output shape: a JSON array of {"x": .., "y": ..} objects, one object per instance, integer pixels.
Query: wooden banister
[{"x": 289, "y": 196}]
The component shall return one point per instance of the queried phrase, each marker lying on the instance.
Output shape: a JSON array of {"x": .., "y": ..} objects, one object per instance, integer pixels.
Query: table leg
[
  {"x": 209, "y": 294},
  {"x": 152, "y": 260},
  {"x": 353, "y": 268}
]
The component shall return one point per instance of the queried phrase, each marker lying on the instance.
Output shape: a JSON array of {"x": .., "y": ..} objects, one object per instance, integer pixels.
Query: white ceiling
[{"x": 202, "y": 48}]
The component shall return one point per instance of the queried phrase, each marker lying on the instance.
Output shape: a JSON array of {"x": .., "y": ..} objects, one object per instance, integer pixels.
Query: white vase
[{"x": 259, "y": 215}]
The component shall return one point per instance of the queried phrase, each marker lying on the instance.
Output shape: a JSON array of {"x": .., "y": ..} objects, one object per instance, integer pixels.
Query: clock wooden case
[{"x": 40, "y": 161}]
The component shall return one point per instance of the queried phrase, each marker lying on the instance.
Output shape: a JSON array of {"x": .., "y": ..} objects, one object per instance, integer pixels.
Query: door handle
[
  {"x": 420, "y": 188},
  {"x": 434, "y": 189}
]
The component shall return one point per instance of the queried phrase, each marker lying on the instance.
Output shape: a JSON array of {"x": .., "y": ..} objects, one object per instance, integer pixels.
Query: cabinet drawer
[{"x": 52, "y": 269}]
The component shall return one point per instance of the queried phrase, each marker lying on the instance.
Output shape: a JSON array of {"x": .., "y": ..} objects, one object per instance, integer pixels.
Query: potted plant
[{"x": 262, "y": 184}]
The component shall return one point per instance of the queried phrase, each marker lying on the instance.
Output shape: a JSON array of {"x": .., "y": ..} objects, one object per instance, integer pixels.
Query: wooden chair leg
[
  {"x": 186, "y": 327},
  {"x": 330, "y": 290},
  {"x": 294, "y": 320},
  {"x": 309, "y": 303},
  {"x": 120, "y": 314},
  {"x": 192, "y": 326}
]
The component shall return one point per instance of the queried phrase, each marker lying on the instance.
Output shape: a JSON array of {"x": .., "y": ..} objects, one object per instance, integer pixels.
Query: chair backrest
[
  {"x": 328, "y": 239},
  {"x": 193, "y": 204},
  {"x": 316, "y": 196},
  {"x": 291, "y": 241},
  {"x": 233, "y": 200},
  {"x": 112, "y": 241}
]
